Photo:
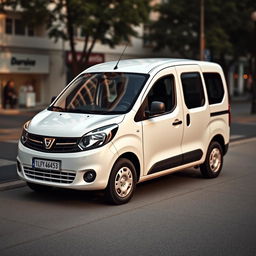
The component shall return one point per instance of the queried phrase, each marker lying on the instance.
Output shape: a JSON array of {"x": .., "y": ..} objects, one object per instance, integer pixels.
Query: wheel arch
[
  {"x": 220, "y": 139},
  {"x": 135, "y": 160}
]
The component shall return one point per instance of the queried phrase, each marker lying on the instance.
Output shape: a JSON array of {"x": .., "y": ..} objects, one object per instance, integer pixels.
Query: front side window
[
  {"x": 214, "y": 87},
  {"x": 192, "y": 90},
  {"x": 163, "y": 90},
  {"x": 101, "y": 93}
]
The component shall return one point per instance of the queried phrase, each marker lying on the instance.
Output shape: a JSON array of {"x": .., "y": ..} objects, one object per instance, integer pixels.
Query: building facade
[{"x": 40, "y": 65}]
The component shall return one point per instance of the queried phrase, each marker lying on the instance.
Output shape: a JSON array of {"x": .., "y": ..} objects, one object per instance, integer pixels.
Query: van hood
[{"x": 61, "y": 124}]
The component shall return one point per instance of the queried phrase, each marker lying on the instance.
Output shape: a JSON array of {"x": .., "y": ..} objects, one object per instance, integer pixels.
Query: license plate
[{"x": 46, "y": 164}]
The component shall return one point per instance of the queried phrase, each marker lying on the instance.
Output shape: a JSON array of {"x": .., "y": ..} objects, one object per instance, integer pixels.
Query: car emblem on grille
[{"x": 48, "y": 142}]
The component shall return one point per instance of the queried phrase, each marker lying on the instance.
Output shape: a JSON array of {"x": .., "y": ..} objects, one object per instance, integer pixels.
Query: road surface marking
[
  {"x": 4, "y": 162},
  {"x": 12, "y": 185},
  {"x": 236, "y": 136},
  {"x": 242, "y": 141},
  {"x": 12, "y": 141}
]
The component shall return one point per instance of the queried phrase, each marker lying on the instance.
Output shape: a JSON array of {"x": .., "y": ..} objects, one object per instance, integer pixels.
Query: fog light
[
  {"x": 19, "y": 167},
  {"x": 90, "y": 176}
]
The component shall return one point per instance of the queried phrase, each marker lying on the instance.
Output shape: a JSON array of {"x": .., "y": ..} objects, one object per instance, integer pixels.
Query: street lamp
[{"x": 253, "y": 107}]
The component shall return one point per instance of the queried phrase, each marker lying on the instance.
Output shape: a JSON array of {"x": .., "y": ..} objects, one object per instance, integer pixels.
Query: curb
[
  {"x": 12, "y": 184},
  {"x": 18, "y": 111},
  {"x": 242, "y": 141}
]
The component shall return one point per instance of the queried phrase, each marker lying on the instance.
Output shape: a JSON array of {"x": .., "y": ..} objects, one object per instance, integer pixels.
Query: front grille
[
  {"x": 63, "y": 177},
  {"x": 60, "y": 145}
]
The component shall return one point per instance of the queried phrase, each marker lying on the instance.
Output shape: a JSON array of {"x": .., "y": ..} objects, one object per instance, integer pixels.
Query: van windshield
[{"x": 101, "y": 93}]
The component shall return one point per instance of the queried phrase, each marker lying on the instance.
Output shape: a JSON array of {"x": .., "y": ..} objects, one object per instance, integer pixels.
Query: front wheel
[
  {"x": 122, "y": 182},
  {"x": 212, "y": 166}
]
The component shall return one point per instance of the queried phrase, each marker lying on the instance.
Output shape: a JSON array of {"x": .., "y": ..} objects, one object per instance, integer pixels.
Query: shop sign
[
  {"x": 24, "y": 63},
  {"x": 95, "y": 58}
]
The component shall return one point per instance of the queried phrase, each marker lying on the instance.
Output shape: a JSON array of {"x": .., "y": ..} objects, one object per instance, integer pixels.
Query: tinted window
[
  {"x": 192, "y": 90},
  {"x": 101, "y": 93},
  {"x": 214, "y": 87},
  {"x": 163, "y": 90}
]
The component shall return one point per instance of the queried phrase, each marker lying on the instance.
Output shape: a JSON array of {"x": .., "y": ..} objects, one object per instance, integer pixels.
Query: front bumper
[{"x": 73, "y": 167}]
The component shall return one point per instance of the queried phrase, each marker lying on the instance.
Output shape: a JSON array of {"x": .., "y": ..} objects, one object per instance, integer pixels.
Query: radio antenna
[{"x": 116, "y": 66}]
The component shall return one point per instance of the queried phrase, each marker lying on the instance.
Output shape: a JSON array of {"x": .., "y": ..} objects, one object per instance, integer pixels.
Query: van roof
[{"x": 144, "y": 65}]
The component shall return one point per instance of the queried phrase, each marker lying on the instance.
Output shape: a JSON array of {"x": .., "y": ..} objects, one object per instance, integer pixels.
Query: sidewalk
[
  {"x": 12, "y": 120},
  {"x": 241, "y": 113},
  {"x": 17, "y": 111}
]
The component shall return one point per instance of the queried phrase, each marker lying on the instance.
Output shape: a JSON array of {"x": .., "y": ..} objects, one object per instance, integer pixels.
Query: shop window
[
  {"x": 8, "y": 26},
  {"x": 19, "y": 27},
  {"x": 192, "y": 90},
  {"x": 214, "y": 87}
]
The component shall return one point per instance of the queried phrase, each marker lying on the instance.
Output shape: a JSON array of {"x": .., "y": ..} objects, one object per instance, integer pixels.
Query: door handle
[
  {"x": 177, "y": 122},
  {"x": 188, "y": 119}
]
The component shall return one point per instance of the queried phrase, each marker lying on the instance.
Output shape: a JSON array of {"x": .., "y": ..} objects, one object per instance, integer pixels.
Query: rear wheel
[
  {"x": 38, "y": 188},
  {"x": 212, "y": 166},
  {"x": 122, "y": 182}
]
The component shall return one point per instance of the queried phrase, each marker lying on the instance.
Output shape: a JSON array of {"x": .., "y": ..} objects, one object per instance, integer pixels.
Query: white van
[{"x": 113, "y": 127}]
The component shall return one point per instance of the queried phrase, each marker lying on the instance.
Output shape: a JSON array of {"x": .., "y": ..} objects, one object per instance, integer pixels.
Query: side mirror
[
  {"x": 53, "y": 99},
  {"x": 156, "y": 108}
]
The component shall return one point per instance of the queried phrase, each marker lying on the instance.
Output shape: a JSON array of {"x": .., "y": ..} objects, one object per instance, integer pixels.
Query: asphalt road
[
  {"x": 10, "y": 130},
  {"x": 180, "y": 214}
]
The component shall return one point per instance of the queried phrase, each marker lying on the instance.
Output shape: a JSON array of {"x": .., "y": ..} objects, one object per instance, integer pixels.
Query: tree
[
  {"x": 227, "y": 28},
  {"x": 229, "y": 31},
  {"x": 107, "y": 21}
]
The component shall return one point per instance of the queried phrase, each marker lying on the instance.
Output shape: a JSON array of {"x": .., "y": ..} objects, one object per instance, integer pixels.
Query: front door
[{"x": 162, "y": 134}]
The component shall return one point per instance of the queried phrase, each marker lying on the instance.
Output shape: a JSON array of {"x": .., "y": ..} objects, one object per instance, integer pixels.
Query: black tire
[
  {"x": 212, "y": 166},
  {"x": 122, "y": 176},
  {"x": 39, "y": 188}
]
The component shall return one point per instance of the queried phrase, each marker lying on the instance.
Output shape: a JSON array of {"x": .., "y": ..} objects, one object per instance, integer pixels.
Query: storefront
[{"x": 29, "y": 73}]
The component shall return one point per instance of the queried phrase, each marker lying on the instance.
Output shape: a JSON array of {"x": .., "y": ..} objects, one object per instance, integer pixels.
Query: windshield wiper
[
  {"x": 57, "y": 108},
  {"x": 86, "y": 111}
]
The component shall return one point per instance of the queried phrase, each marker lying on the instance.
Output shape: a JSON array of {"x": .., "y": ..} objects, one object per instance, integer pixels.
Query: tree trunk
[{"x": 70, "y": 28}]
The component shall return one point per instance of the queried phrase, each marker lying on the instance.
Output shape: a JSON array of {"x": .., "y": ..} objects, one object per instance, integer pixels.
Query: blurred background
[{"x": 44, "y": 44}]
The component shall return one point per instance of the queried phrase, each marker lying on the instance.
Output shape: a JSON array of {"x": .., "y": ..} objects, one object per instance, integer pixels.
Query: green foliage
[
  {"x": 107, "y": 21},
  {"x": 7, "y": 3},
  {"x": 228, "y": 27}
]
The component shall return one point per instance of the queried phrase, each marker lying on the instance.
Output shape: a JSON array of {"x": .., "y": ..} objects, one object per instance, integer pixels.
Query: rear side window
[
  {"x": 192, "y": 90},
  {"x": 214, "y": 87}
]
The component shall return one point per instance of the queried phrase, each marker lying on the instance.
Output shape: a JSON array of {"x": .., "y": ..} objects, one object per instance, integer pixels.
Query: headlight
[
  {"x": 24, "y": 135},
  {"x": 98, "y": 137}
]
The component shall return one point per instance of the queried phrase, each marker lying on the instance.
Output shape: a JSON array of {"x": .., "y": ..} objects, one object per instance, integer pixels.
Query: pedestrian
[{"x": 10, "y": 95}]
